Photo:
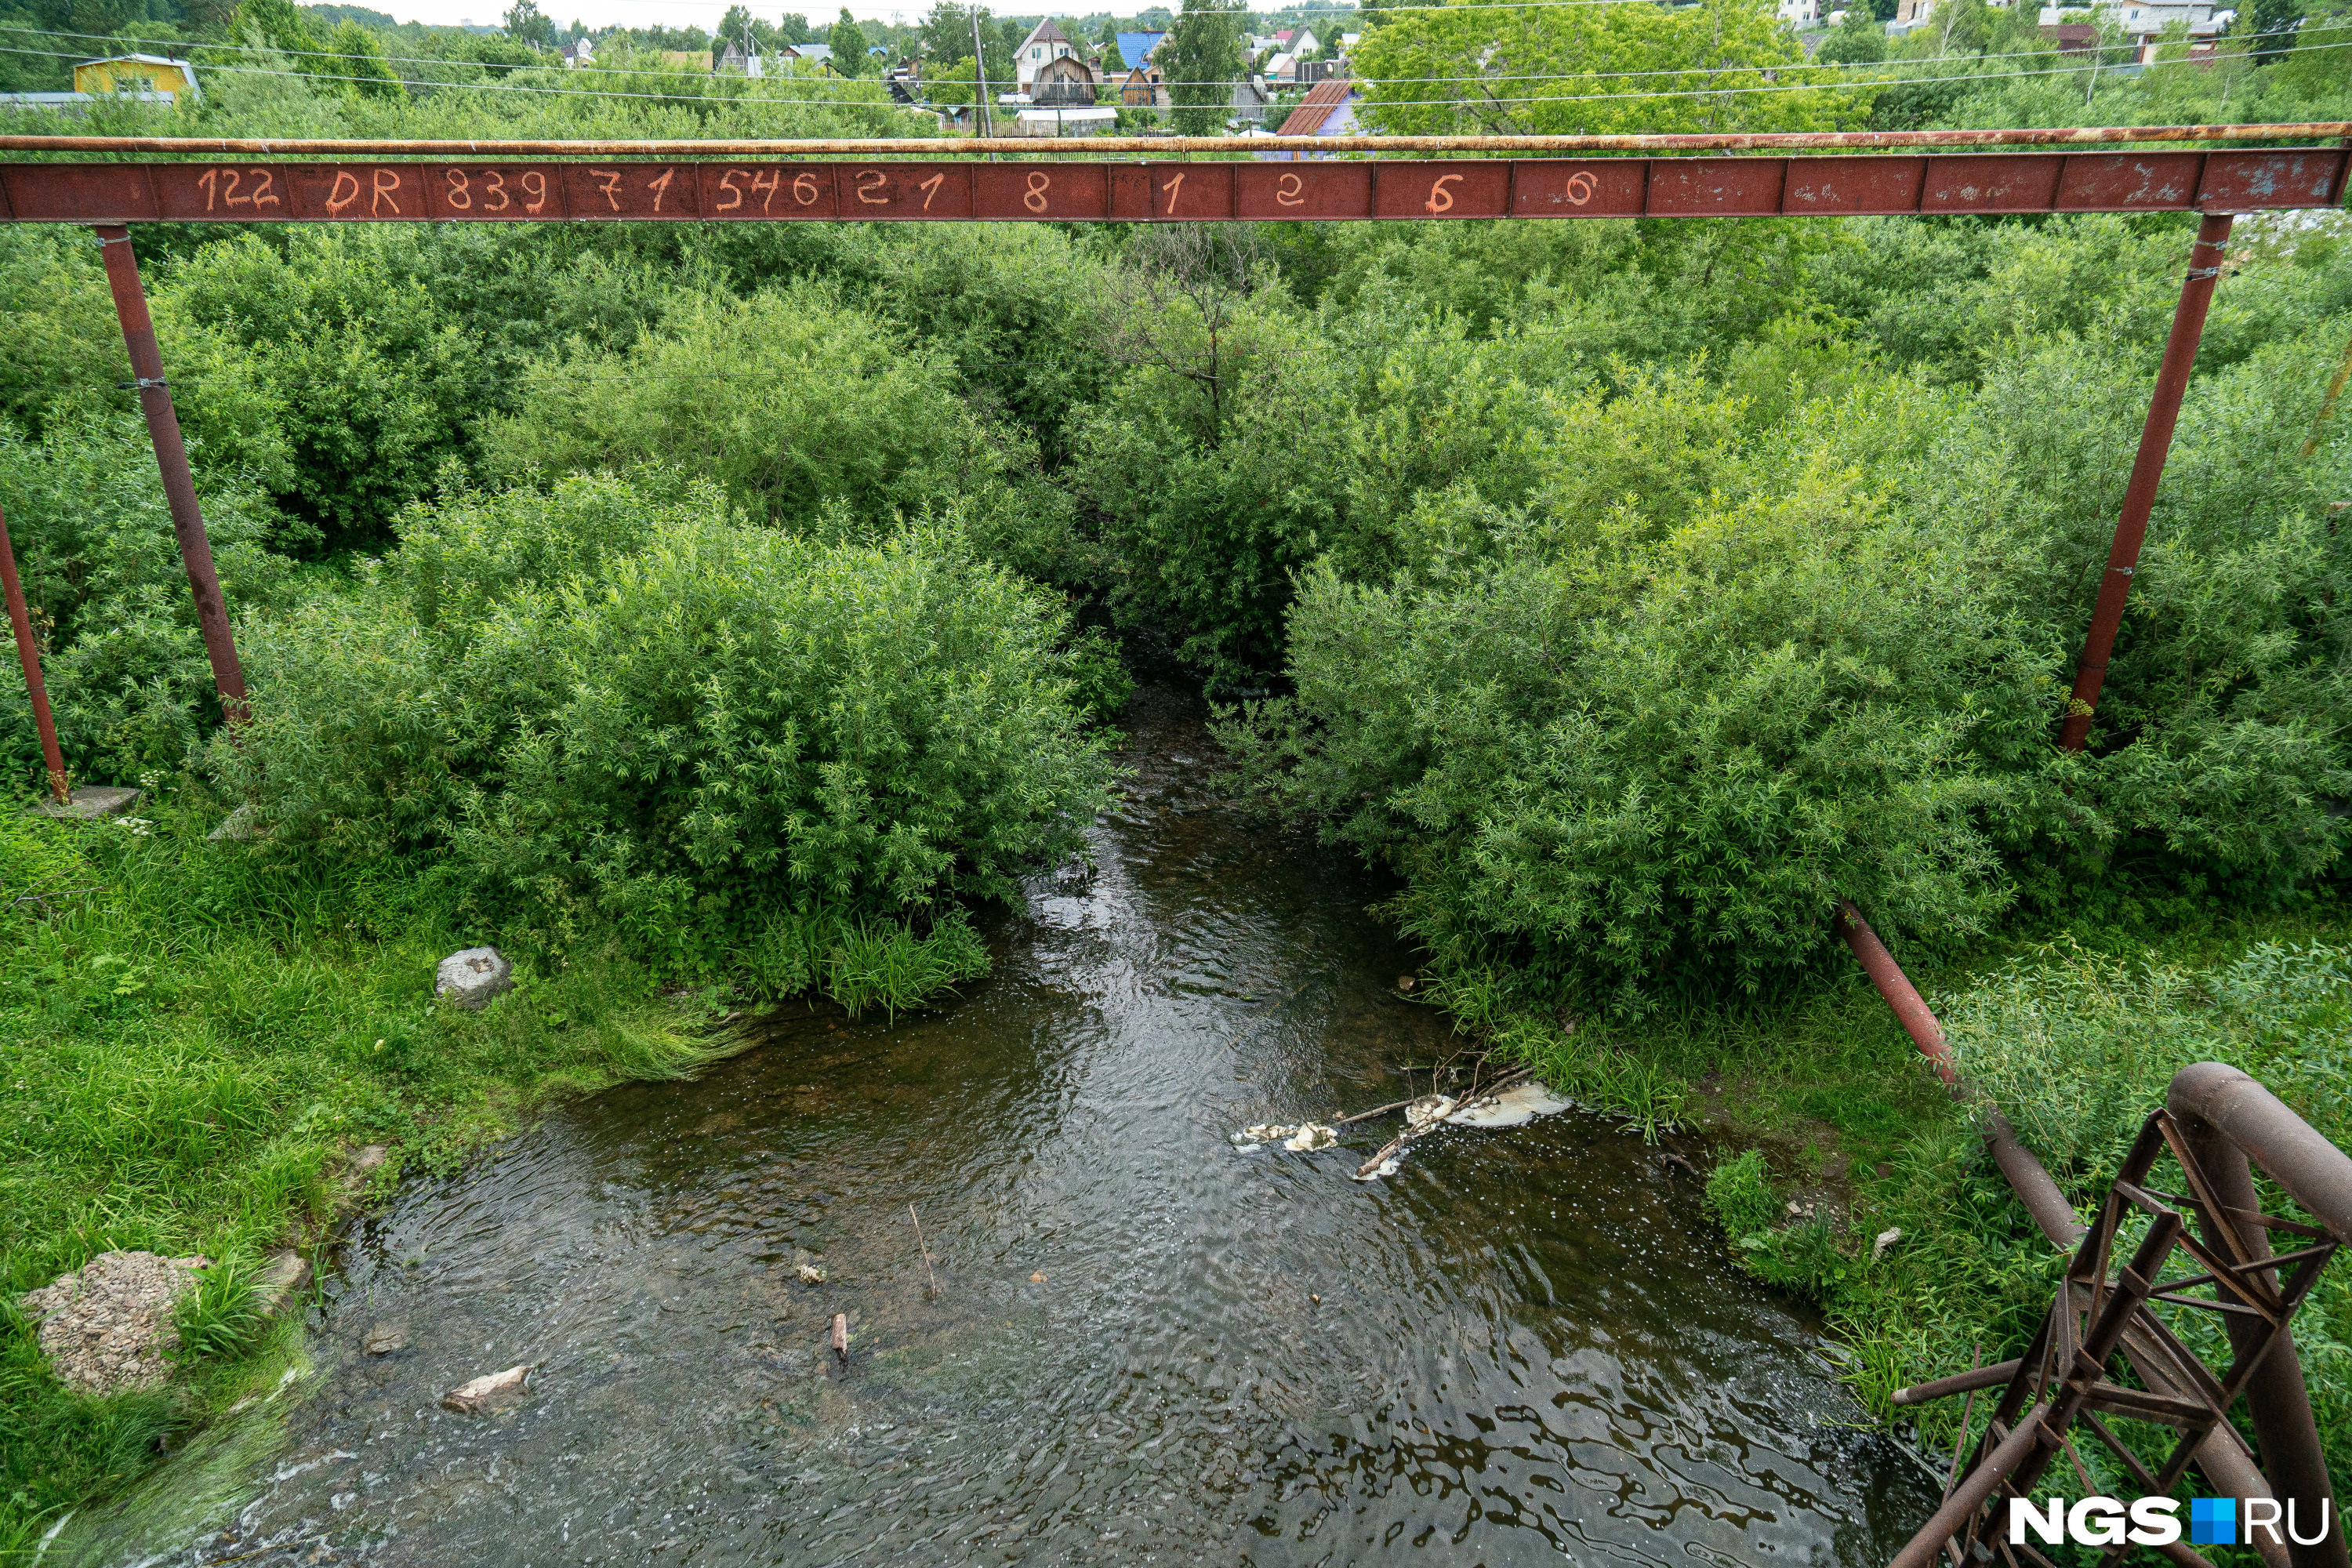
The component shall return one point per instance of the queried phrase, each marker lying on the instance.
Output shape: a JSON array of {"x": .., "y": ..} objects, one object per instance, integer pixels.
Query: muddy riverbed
[{"x": 1146, "y": 1346}]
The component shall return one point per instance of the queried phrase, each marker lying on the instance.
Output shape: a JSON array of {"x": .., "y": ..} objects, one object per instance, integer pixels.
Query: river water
[{"x": 1146, "y": 1347}]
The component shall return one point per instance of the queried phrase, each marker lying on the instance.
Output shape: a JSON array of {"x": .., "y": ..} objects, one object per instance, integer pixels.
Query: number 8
[{"x": 1035, "y": 200}]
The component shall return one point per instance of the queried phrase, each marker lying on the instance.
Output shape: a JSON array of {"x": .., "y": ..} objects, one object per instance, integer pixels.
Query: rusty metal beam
[
  {"x": 1927, "y": 1546},
  {"x": 28, "y": 654},
  {"x": 172, "y": 457},
  {"x": 2146, "y": 474},
  {"x": 704, "y": 188},
  {"x": 1163, "y": 146}
]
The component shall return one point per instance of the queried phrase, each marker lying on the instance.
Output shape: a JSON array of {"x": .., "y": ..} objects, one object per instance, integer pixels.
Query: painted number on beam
[{"x": 224, "y": 189}]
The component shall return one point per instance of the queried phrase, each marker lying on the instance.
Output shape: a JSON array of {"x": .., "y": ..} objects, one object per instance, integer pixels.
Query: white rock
[
  {"x": 484, "y": 1394},
  {"x": 1886, "y": 1238},
  {"x": 469, "y": 979}
]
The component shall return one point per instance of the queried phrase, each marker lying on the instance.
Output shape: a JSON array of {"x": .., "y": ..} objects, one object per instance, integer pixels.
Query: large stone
[
  {"x": 91, "y": 802},
  {"x": 238, "y": 827},
  {"x": 107, "y": 1327},
  {"x": 283, "y": 1273},
  {"x": 469, "y": 979}
]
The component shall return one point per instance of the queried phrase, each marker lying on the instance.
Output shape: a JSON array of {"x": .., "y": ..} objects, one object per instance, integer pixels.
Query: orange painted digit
[
  {"x": 1441, "y": 200},
  {"x": 266, "y": 194},
  {"x": 734, "y": 197},
  {"x": 1290, "y": 193},
  {"x": 459, "y": 196},
  {"x": 609, "y": 181},
  {"x": 767, "y": 185},
  {"x": 1169, "y": 191},
  {"x": 869, "y": 182},
  {"x": 210, "y": 180},
  {"x": 498, "y": 189},
  {"x": 804, "y": 189},
  {"x": 1580, "y": 186},
  {"x": 931, "y": 188},
  {"x": 1034, "y": 197},
  {"x": 534, "y": 184}
]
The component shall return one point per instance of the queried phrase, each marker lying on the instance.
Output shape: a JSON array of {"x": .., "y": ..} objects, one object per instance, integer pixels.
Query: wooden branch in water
[{"x": 841, "y": 1335}]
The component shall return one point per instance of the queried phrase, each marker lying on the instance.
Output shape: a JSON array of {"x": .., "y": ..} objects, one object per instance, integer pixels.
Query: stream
[{"x": 1146, "y": 1347}]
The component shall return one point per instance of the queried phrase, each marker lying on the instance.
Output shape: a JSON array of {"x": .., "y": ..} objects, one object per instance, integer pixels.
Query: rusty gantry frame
[{"x": 2204, "y": 169}]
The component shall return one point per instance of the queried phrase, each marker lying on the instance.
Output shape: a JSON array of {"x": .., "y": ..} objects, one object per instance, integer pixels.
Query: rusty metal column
[
  {"x": 2148, "y": 471},
  {"x": 29, "y": 653},
  {"x": 2276, "y": 1396},
  {"x": 172, "y": 457}
]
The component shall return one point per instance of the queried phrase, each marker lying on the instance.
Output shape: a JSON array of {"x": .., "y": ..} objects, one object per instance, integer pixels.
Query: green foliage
[
  {"x": 678, "y": 731},
  {"x": 1202, "y": 56},
  {"x": 1741, "y": 1196},
  {"x": 1599, "y": 69},
  {"x": 221, "y": 1313}
]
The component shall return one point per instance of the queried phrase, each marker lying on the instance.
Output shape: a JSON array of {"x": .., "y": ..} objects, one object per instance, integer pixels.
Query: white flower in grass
[{"x": 137, "y": 827}]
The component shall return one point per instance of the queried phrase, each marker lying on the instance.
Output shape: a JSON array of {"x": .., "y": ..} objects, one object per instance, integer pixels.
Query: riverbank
[
  {"x": 2073, "y": 1034},
  {"x": 198, "y": 1040}
]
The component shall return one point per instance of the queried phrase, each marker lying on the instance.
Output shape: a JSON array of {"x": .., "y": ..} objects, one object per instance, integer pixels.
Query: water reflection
[{"x": 1146, "y": 1347}]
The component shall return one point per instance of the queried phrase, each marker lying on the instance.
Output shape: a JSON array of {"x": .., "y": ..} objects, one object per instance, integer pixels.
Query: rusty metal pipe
[
  {"x": 172, "y": 457},
  {"x": 2314, "y": 1173},
  {"x": 1167, "y": 146},
  {"x": 2225, "y": 1464},
  {"x": 1971, "y": 1493},
  {"x": 2276, "y": 1396},
  {"x": 29, "y": 653},
  {"x": 2147, "y": 473},
  {"x": 1958, "y": 1383}
]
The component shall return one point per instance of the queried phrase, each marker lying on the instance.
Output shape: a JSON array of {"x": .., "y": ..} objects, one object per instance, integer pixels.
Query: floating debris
[
  {"x": 1429, "y": 1110},
  {"x": 1886, "y": 1238},
  {"x": 1512, "y": 1107},
  {"x": 1312, "y": 1135},
  {"x": 1267, "y": 1132}
]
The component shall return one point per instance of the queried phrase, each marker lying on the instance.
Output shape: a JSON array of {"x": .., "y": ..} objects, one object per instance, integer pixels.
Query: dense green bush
[
  {"x": 643, "y": 713},
  {"x": 1624, "y": 756}
]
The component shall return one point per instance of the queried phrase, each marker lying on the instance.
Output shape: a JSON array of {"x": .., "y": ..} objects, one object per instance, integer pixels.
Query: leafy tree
[
  {"x": 526, "y": 24},
  {"x": 1597, "y": 69},
  {"x": 2274, "y": 23},
  {"x": 794, "y": 29},
  {"x": 946, "y": 33},
  {"x": 353, "y": 51},
  {"x": 1860, "y": 40},
  {"x": 848, "y": 42},
  {"x": 1202, "y": 58},
  {"x": 276, "y": 24}
]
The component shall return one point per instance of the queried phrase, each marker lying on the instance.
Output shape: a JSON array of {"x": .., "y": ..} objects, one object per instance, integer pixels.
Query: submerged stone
[{"x": 484, "y": 1394}]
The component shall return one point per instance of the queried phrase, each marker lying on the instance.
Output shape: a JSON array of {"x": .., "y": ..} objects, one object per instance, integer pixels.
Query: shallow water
[{"x": 1146, "y": 1347}]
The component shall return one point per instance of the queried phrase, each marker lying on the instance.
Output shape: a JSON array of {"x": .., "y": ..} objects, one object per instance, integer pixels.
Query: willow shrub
[
  {"x": 607, "y": 709},
  {"x": 1621, "y": 760}
]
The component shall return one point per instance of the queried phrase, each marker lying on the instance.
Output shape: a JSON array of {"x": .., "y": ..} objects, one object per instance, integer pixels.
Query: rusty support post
[
  {"x": 2277, "y": 1397},
  {"x": 1970, "y": 1494},
  {"x": 172, "y": 457},
  {"x": 29, "y": 653},
  {"x": 2224, "y": 1462},
  {"x": 2147, "y": 472}
]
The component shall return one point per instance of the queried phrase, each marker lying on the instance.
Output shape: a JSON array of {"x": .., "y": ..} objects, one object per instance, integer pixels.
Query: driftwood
[
  {"x": 841, "y": 1335},
  {"x": 1395, "y": 1146},
  {"x": 925, "y": 1249}
]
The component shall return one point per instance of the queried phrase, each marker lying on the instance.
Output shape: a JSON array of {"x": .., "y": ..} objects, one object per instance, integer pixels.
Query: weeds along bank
[{"x": 696, "y": 609}]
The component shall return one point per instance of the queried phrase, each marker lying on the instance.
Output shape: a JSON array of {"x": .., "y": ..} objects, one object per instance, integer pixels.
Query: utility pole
[{"x": 979, "y": 82}]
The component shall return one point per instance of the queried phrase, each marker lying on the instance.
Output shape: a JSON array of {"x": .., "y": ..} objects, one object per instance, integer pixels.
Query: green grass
[{"x": 190, "y": 1049}]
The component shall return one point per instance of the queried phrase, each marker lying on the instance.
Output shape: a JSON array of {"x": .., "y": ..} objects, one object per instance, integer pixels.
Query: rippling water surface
[{"x": 1146, "y": 1347}]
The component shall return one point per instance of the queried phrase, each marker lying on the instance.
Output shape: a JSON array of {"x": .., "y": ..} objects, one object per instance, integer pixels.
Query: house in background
[
  {"x": 1064, "y": 82},
  {"x": 139, "y": 74},
  {"x": 1046, "y": 42},
  {"x": 577, "y": 53},
  {"x": 1250, "y": 100},
  {"x": 1329, "y": 109},
  {"x": 1134, "y": 48},
  {"x": 1144, "y": 88}
]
